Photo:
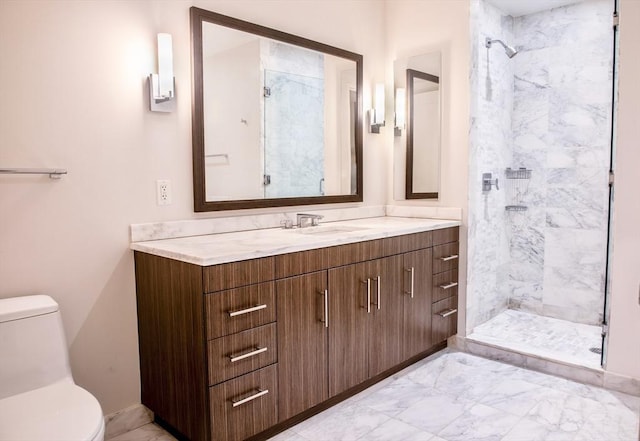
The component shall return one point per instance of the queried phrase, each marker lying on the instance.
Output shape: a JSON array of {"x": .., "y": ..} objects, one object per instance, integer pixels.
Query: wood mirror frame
[
  {"x": 409, "y": 187},
  {"x": 198, "y": 16}
]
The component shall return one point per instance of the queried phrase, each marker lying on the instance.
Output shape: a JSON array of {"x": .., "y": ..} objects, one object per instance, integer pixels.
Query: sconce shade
[
  {"x": 162, "y": 85},
  {"x": 165, "y": 65},
  {"x": 401, "y": 108},
  {"x": 379, "y": 104},
  {"x": 376, "y": 114}
]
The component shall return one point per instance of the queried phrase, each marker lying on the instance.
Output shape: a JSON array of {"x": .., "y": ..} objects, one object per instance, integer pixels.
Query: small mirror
[
  {"x": 276, "y": 117},
  {"x": 419, "y": 76}
]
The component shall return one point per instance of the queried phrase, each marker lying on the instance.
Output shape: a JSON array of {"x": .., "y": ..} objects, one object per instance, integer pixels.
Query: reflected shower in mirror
[
  {"x": 420, "y": 77},
  {"x": 276, "y": 117}
]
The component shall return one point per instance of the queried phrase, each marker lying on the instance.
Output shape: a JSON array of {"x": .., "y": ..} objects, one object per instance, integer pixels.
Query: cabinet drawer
[
  {"x": 236, "y": 310},
  {"x": 444, "y": 322},
  {"x": 237, "y": 354},
  {"x": 236, "y": 274},
  {"x": 244, "y": 406},
  {"x": 445, "y": 235},
  {"x": 445, "y": 257},
  {"x": 445, "y": 285}
]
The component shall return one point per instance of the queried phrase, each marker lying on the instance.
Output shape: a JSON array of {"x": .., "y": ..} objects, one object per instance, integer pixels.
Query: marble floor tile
[
  {"x": 530, "y": 430},
  {"x": 455, "y": 396},
  {"x": 395, "y": 430},
  {"x": 480, "y": 423},
  {"x": 351, "y": 423},
  {"x": 543, "y": 336},
  {"x": 434, "y": 413}
]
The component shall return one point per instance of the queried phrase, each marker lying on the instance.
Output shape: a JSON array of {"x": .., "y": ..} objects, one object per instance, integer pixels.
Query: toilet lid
[{"x": 60, "y": 412}]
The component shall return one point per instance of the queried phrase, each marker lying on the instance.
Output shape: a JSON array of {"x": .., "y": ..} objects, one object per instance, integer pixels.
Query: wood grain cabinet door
[
  {"x": 417, "y": 280},
  {"x": 349, "y": 315},
  {"x": 387, "y": 309},
  {"x": 302, "y": 342}
]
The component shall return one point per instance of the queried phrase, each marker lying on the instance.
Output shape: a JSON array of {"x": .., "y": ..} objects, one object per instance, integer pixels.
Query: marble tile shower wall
[
  {"x": 549, "y": 110},
  {"x": 492, "y": 78},
  {"x": 561, "y": 125}
]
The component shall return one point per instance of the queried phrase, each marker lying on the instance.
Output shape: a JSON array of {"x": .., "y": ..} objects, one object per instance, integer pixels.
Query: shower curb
[{"x": 575, "y": 372}]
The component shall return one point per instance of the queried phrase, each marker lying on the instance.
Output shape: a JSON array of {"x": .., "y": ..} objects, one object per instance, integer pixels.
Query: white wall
[
  {"x": 72, "y": 81},
  {"x": 624, "y": 339},
  {"x": 415, "y": 27}
]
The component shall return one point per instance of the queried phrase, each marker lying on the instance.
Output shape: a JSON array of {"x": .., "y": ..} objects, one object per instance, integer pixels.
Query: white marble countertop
[{"x": 214, "y": 249}]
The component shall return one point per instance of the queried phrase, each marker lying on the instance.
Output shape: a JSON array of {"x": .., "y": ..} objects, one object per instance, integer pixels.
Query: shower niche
[{"x": 517, "y": 188}]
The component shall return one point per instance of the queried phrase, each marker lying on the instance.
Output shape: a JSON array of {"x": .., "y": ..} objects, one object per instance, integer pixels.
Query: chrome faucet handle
[
  {"x": 287, "y": 224},
  {"x": 303, "y": 219}
]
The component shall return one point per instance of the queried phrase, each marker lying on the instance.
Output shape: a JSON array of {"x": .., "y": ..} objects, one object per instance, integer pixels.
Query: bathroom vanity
[{"x": 243, "y": 334}]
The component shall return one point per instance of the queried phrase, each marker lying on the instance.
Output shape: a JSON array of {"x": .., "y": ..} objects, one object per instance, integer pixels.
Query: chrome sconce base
[
  {"x": 160, "y": 103},
  {"x": 374, "y": 126}
]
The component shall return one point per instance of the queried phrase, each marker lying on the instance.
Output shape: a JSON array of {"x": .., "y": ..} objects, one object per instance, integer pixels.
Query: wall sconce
[
  {"x": 376, "y": 115},
  {"x": 401, "y": 111},
  {"x": 162, "y": 86}
]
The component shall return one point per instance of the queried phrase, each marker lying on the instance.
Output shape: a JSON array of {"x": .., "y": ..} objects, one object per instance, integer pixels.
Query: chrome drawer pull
[
  {"x": 451, "y": 257},
  {"x": 246, "y": 311},
  {"x": 378, "y": 279},
  {"x": 411, "y": 270},
  {"x": 256, "y": 351},
  {"x": 326, "y": 308},
  {"x": 447, "y": 312},
  {"x": 260, "y": 393},
  {"x": 449, "y": 286}
]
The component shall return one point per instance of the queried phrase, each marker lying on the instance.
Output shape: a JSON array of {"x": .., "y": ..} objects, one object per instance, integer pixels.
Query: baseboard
[{"x": 126, "y": 420}]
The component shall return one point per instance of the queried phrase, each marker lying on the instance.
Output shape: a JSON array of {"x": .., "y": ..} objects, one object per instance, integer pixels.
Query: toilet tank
[{"x": 33, "y": 349}]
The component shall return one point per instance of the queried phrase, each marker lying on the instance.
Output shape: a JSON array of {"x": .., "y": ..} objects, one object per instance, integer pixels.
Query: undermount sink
[{"x": 321, "y": 229}]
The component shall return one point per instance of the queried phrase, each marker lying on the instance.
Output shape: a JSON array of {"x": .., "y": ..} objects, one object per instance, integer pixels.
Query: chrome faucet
[{"x": 308, "y": 220}]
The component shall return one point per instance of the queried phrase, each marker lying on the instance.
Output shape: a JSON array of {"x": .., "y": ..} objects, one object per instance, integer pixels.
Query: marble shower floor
[
  {"x": 455, "y": 396},
  {"x": 542, "y": 336}
]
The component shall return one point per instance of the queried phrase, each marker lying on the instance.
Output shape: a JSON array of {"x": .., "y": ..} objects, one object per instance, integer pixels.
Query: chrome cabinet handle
[
  {"x": 246, "y": 311},
  {"x": 378, "y": 282},
  {"x": 447, "y": 312},
  {"x": 451, "y": 257},
  {"x": 241, "y": 401},
  {"x": 326, "y": 308},
  {"x": 449, "y": 286},
  {"x": 256, "y": 351},
  {"x": 368, "y": 283},
  {"x": 411, "y": 270}
]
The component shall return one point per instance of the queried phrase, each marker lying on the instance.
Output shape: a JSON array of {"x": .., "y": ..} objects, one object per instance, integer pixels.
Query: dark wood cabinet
[
  {"x": 387, "y": 309},
  {"x": 245, "y": 405},
  {"x": 229, "y": 351},
  {"x": 417, "y": 302},
  {"x": 445, "y": 285},
  {"x": 302, "y": 343},
  {"x": 349, "y": 311}
]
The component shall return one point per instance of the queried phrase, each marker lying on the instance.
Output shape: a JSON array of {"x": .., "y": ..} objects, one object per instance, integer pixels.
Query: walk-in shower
[
  {"x": 509, "y": 50},
  {"x": 541, "y": 124}
]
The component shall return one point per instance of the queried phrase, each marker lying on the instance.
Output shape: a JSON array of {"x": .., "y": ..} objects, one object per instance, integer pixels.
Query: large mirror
[
  {"x": 419, "y": 77},
  {"x": 276, "y": 118}
]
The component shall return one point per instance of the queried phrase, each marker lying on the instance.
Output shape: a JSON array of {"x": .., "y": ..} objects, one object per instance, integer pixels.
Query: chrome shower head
[{"x": 509, "y": 50}]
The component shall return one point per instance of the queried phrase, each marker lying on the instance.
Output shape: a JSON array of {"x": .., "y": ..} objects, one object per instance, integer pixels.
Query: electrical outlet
[{"x": 163, "y": 191}]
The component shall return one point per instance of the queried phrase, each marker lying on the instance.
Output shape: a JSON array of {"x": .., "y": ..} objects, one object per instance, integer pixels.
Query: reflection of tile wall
[
  {"x": 547, "y": 109},
  {"x": 561, "y": 129},
  {"x": 293, "y": 115},
  {"x": 490, "y": 151}
]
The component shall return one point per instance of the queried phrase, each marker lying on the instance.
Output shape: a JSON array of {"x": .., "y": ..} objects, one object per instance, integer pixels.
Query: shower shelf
[
  {"x": 517, "y": 188},
  {"x": 521, "y": 173}
]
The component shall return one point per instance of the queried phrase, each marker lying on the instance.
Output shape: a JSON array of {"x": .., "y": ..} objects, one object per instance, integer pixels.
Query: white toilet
[{"x": 38, "y": 399}]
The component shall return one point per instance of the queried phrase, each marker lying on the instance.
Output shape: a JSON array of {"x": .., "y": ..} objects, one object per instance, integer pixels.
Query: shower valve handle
[{"x": 487, "y": 182}]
